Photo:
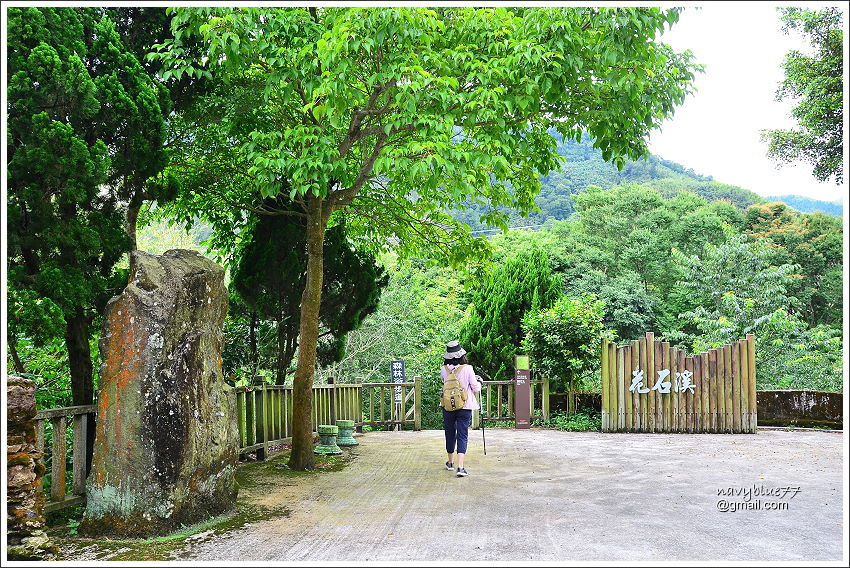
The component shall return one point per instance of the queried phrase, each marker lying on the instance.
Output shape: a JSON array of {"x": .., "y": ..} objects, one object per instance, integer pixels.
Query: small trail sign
[
  {"x": 397, "y": 376},
  {"x": 522, "y": 383}
]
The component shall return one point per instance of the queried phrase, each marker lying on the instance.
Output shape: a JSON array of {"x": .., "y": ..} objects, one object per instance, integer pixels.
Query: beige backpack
[{"x": 454, "y": 394}]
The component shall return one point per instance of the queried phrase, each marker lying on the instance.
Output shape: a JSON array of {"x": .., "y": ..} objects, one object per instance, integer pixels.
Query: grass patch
[{"x": 253, "y": 478}]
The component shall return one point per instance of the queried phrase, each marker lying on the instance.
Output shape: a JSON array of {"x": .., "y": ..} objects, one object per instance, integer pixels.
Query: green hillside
[{"x": 584, "y": 166}]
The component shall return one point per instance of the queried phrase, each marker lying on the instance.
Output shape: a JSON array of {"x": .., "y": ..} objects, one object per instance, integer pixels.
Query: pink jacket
[{"x": 467, "y": 379}]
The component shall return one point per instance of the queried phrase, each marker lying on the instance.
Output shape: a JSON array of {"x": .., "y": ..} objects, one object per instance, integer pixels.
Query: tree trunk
[
  {"x": 82, "y": 384},
  {"x": 302, "y": 457},
  {"x": 13, "y": 350},
  {"x": 79, "y": 359},
  {"x": 133, "y": 209}
]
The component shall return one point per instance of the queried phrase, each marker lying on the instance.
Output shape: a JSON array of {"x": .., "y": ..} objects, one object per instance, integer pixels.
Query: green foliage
[
  {"x": 812, "y": 241},
  {"x": 83, "y": 138},
  {"x": 421, "y": 309},
  {"x": 586, "y": 421},
  {"x": 815, "y": 81},
  {"x": 270, "y": 273},
  {"x": 564, "y": 340},
  {"x": 523, "y": 283},
  {"x": 808, "y": 205}
]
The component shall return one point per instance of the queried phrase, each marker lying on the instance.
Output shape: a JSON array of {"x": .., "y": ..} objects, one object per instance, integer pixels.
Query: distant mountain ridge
[
  {"x": 808, "y": 205},
  {"x": 584, "y": 166}
]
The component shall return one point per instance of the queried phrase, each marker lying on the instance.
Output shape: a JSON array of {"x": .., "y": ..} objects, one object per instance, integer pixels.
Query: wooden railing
[
  {"x": 497, "y": 400},
  {"x": 265, "y": 412},
  {"x": 59, "y": 496}
]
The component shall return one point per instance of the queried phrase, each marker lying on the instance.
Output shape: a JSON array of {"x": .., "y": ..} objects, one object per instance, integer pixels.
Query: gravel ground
[{"x": 542, "y": 495}]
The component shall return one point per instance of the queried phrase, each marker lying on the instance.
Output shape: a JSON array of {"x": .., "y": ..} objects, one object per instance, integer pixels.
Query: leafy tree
[
  {"x": 85, "y": 131},
  {"x": 391, "y": 116},
  {"x": 816, "y": 81},
  {"x": 524, "y": 283},
  {"x": 814, "y": 242},
  {"x": 564, "y": 341},
  {"x": 269, "y": 275}
]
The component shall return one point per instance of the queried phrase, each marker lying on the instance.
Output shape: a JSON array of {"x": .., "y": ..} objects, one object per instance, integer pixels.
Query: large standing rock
[
  {"x": 26, "y": 539},
  {"x": 166, "y": 443}
]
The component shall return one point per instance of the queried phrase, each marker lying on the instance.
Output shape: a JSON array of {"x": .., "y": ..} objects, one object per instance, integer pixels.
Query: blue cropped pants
[{"x": 456, "y": 425}]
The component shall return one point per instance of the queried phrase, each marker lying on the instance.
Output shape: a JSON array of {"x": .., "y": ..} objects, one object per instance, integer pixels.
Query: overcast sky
[{"x": 716, "y": 131}]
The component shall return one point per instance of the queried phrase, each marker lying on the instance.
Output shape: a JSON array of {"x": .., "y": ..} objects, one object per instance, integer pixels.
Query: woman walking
[{"x": 456, "y": 422}]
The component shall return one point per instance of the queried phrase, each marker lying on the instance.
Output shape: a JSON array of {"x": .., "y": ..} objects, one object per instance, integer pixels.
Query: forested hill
[
  {"x": 808, "y": 205},
  {"x": 584, "y": 166}
]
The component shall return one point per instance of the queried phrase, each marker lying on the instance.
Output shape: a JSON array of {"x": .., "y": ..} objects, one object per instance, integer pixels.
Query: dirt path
[{"x": 548, "y": 495}]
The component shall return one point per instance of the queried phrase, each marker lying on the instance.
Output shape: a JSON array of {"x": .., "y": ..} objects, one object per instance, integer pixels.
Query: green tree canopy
[
  {"x": 815, "y": 81},
  {"x": 391, "y": 116},
  {"x": 85, "y": 130},
  {"x": 269, "y": 275},
  {"x": 493, "y": 334},
  {"x": 564, "y": 340}
]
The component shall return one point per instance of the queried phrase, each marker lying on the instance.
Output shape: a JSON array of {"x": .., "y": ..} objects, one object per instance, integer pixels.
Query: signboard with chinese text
[
  {"x": 649, "y": 386},
  {"x": 397, "y": 376},
  {"x": 522, "y": 384}
]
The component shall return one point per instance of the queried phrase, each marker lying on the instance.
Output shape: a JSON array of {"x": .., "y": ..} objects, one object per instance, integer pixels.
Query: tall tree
[
  {"x": 395, "y": 115},
  {"x": 816, "y": 81},
  {"x": 522, "y": 284},
  {"x": 85, "y": 130},
  {"x": 270, "y": 273}
]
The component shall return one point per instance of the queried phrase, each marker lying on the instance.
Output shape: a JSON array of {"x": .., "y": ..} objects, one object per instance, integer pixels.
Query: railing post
[
  {"x": 545, "y": 398},
  {"x": 262, "y": 422},
  {"x": 359, "y": 424},
  {"x": 333, "y": 399},
  {"x": 81, "y": 424},
  {"x": 417, "y": 403},
  {"x": 57, "y": 467}
]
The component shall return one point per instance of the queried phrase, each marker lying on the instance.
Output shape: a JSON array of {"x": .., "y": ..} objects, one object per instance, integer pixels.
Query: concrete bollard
[
  {"x": 327, "y": 440},
  {"x": 346, "y": 431}
]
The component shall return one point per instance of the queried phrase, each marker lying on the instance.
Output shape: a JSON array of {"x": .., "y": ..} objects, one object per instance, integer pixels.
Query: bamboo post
[
  {"x": 621, "y": 389},
  {"x": 545, "y": 398},
  {"x": 721, "y": 392},
  {"x": 637, "y": 422},
  {"x": 630, "y": 402},
  {"x": 676, "y": 392},
  {"x": 663, "y": 352},
  {"x": 605, "y": 387},
  {"x": 728, "y": 387},
  {"x": 736, "y": 387},
  {"x": 57, "y": 467},
  {"x": 697, "y": 396},
  {"x": 688, "y": 397},
  {"x": 613, "y": 411},
  {"x": 751, "y": 366},
  {"x": 745, "y": 385},
  {"x": 620, "y": 380},
  {"x": 712, "y": 390},
  {"x": 644, "y": 399},
  {"x": 704, "y": 392},
  {"x": 240, "y": 416},
  {"x": 675, "y": 419},
  {"x": 651, "y": 375}
]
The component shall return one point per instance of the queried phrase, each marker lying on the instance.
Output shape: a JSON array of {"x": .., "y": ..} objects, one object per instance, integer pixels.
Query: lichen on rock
[{"x": 166, "y": 442}]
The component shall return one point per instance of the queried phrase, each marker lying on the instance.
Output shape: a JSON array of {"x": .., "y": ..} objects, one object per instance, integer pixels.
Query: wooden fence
[
  {"x": 497, "y": 400},
  {"x": 265, "y": 412},
  {"x": 648, "y": 386},
  {"x": 61, "y": 495}
]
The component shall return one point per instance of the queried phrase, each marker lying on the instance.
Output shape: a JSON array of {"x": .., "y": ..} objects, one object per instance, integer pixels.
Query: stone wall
[
  {"x": 26, "y": 539},
  {"x": 166, "y": 443}
]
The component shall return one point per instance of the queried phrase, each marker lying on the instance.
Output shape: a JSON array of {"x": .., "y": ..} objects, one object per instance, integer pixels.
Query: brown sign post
[{"x": 522, "y": 382}]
